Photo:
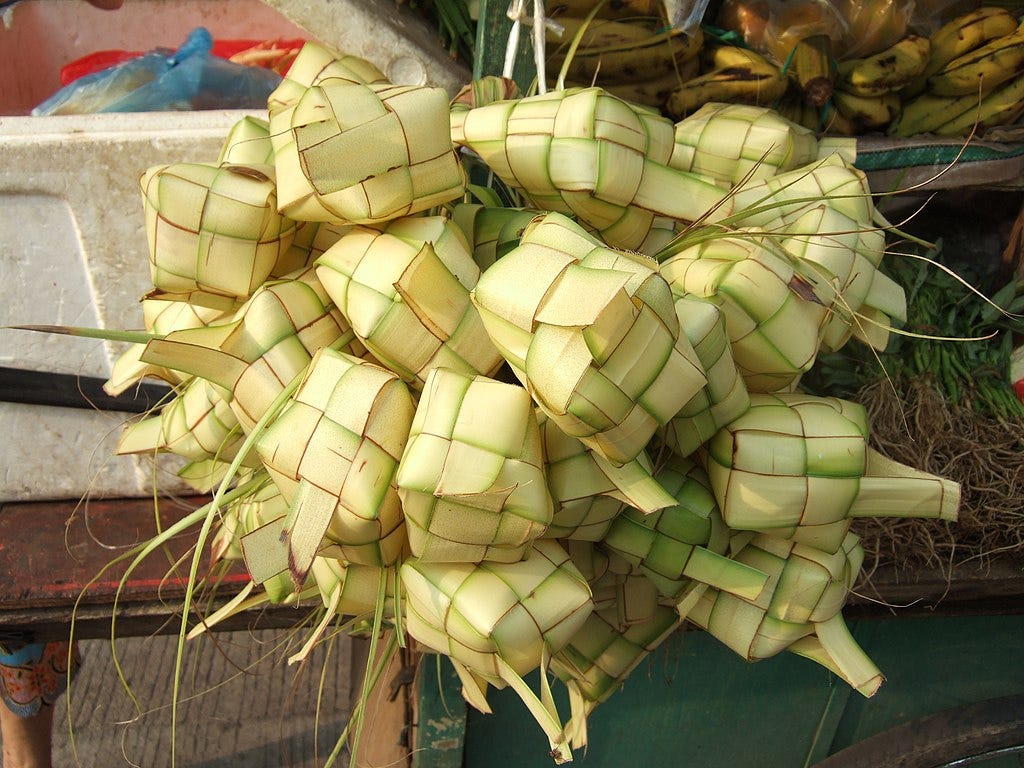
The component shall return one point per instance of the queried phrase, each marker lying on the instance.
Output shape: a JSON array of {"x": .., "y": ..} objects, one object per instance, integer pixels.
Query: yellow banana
[
  {"x": 654, "y": 56},
  {"x": 1000, "y": 107},
  {"x": 746, "y": 85},
  {"x": 814, "y": 117},
  {"x": 982, "y": 69},
  {"x": 960, "y": 36},
  {"x": 723, "y": 56},
  {"x": 837, "y": 124},
  {"x": 967, "y": 32},
  {"x": 813, "y": 68},
  {"x": 887, "y": 71},
  {"x": 927, "y": 112},
  {"x": 867, "y": 113},
  {"x": 791, "y": 107},
  {"x": 795, "y": 108}
]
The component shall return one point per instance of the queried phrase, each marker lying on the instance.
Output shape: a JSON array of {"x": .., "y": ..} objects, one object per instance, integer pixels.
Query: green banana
[
  {"x": 927, "y": 112},
  {"x": 867, "y": 113},
  {"x": 982, "y": 69},
  {"x": 1000, "y": 107},
  {"x": 887, "y": 71},
  {"x": 732, "y": 84}
]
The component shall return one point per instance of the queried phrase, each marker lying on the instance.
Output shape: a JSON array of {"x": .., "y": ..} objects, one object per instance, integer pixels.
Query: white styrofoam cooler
[
  {"x": 72, "y": 240},
  {"x": 73, "y": 252}
]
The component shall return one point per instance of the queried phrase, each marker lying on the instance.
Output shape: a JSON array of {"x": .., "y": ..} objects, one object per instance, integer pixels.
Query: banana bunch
[
  {"x": 885, "y": 72},
  {"x": 729, "y": 74},
  {"x": 866, "y": 91},
  {"x": 964, "y": 77},
  {"x": 636, "y": 59},
  {"x": 672, "y": 71},
  {"x": 972, "y": 80}
]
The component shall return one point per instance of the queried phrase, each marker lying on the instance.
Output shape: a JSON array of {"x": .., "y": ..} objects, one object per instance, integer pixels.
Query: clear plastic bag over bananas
[
  {"x": 965, "y": 77},
  {"x": 840, "y": 67},
  {"x": 856, "y": 27},
  {"x": 898, "y": 70}
]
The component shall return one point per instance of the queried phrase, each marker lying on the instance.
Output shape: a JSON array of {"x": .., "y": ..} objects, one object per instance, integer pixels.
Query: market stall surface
[{"x": 240, "y": 704}]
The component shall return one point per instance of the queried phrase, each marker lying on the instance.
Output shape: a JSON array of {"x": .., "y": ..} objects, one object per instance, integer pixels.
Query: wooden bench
[
  {"x": 52, "y": 552},
  {"x": 53, "y": 556}
]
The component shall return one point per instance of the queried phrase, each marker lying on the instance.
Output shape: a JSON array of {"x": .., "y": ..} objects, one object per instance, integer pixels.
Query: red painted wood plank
[{"x": 51, "y": 551}]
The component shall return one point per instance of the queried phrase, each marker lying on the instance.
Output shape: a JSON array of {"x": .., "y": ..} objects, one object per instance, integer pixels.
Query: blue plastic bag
[{"x": 162, "y": 80}]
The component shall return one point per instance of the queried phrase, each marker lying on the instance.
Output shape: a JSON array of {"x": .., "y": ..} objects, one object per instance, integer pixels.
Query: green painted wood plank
[
  {"x": 440, "y": 715},
  {"x": 493, "y": 27},
  {"x": 933, "y": 664},
  {"x": 681, "y": 707},
  {"x": 825, "y": 732},
  {"x": 694, "y": 703}
]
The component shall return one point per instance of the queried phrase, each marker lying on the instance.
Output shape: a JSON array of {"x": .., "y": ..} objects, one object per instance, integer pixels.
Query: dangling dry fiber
[{"x": 913, "y": 423}]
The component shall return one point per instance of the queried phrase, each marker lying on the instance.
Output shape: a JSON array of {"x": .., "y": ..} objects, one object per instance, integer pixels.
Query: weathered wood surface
[
  {"x": 995, "y": 589},
  {"x": 56, "y": 555}
]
